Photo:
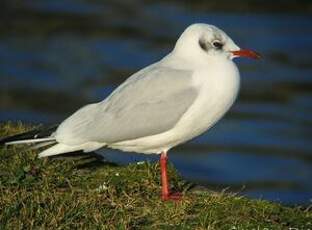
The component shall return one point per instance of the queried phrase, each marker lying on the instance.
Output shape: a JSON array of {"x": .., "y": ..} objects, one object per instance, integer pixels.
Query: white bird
[{"x": 159, "y": 107}]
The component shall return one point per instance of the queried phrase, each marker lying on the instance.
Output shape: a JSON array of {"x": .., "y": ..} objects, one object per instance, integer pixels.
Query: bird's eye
[{"x": 217, "y": 44}]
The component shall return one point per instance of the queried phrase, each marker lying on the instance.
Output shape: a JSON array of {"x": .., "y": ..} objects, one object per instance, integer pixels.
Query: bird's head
[{"x": 208, "y": 41}]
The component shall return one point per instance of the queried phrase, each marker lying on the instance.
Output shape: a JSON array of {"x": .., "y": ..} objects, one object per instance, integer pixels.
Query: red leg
[
  {"x": 165, "y": 193},
  {"x": 164, "y": 178}
]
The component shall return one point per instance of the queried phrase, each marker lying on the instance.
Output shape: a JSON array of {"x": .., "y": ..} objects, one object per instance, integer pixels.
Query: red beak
[{"x": 246, "y": 53}]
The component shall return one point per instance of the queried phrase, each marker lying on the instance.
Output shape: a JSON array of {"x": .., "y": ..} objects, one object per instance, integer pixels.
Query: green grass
[{"x": 85, "y": 193}]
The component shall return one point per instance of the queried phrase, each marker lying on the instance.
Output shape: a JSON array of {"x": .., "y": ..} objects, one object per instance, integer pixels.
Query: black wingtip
[{"x": 40, "y": 132}]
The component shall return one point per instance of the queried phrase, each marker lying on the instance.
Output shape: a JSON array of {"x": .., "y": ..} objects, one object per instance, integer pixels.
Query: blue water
[{"x": 57, "y": 56}]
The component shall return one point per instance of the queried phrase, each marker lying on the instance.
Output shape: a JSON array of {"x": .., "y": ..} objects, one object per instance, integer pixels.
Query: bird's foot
[{"x": 177, "y": 196}]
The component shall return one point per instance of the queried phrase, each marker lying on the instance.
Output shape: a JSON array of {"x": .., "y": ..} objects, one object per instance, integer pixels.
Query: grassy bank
[{"x": 86, "y": 193}]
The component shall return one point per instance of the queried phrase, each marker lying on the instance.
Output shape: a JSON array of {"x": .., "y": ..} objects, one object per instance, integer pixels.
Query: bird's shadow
[{"x": 91, "y": 160}]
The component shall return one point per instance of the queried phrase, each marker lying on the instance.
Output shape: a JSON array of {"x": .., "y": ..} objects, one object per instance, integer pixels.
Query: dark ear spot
[{"x": 203, "y": 44}]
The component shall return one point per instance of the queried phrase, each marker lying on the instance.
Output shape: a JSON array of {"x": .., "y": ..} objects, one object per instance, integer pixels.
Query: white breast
[{"x": 218, "y": 90}]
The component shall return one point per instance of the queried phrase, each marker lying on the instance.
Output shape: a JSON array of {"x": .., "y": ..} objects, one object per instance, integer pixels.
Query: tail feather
[{"x": 60, "y": 148}]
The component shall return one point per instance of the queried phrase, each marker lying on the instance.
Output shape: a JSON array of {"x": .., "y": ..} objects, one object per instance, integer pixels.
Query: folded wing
[{"x": 148, "y": 103}]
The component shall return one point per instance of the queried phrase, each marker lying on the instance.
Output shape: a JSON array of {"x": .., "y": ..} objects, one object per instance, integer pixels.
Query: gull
[{"x": 159, "y": 107}]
